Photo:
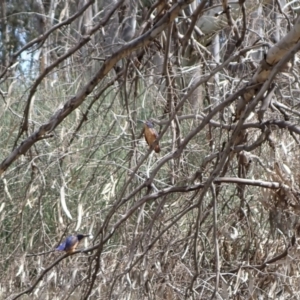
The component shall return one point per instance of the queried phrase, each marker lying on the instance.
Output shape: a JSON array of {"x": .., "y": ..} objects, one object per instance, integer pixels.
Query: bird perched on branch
[
  {"x": 71, "y": 242},
  {"x": 151, "y": 135}
]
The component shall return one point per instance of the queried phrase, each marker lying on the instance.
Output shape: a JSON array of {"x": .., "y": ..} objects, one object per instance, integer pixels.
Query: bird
[
  {"x": 151, "y": 135},
  {"x": 71, "y": 242}
]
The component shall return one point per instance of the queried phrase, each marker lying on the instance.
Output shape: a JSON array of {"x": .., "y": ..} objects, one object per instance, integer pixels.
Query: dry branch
[
  {"x": 43, "y": 37},
  {"x": 274, "y": 55},
  {"x": 108, "y": 64}
]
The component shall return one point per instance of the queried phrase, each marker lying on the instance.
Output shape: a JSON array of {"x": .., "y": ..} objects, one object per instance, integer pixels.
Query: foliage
[{"x": 214, "y": 214}]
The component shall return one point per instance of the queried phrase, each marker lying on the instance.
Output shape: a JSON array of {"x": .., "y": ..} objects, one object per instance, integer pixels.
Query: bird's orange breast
[
  {"x": 72, "y": 248},
  {"x": 150, "y": 137}
]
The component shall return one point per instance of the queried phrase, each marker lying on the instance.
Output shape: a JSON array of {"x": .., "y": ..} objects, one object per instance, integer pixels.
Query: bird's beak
[{"x": 140, "y": 121}]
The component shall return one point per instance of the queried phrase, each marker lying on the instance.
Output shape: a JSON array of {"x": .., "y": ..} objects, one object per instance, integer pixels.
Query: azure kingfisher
[
  {"x": 71, "y": 242},
  {"x": 151, "y": 135}
]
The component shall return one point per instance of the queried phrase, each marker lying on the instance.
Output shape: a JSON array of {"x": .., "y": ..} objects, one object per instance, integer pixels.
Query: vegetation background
[{"x": 214, "y": 215}]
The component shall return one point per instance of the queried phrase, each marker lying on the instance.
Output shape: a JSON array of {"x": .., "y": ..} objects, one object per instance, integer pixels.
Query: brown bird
[{"x": 151, "y": 135}]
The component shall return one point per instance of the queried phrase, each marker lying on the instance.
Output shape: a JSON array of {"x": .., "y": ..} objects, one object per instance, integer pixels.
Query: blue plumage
[{"x": 71, "y": 242}]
